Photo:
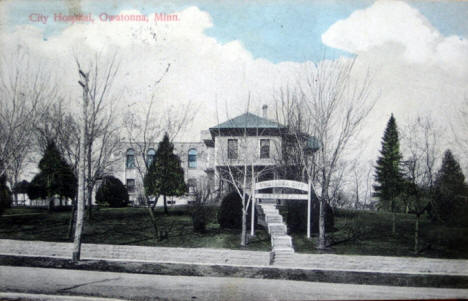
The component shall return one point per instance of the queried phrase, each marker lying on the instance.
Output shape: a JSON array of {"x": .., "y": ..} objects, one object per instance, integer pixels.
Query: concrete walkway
[{"x": 401, "y": 265}]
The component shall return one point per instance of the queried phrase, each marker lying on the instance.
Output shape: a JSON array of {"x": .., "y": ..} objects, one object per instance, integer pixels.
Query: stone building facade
[{"x": 246, "y": 140}]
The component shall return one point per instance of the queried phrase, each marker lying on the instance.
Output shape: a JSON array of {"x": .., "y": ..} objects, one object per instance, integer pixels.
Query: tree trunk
[
  {"x": 89, "y": 184},
  {"x": 81, "y": 176},
  {"x": 157, "y": 235},
  {"x": 321, "y": 240},
  {"x": 244, "y": 228},
  {"x": 79, "y": 222},
  {"x": 90, "y": 202},
  {"x": 416, "y": 235},
  {"x": 155, "y": 225},
  {"x": 393, "y": 223},
  {"x": 72, "y": 219},
  {"x": 165, "y": 205}
]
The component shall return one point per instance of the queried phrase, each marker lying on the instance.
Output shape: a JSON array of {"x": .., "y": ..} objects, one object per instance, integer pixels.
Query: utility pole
[{"x": 81, "y": 170}]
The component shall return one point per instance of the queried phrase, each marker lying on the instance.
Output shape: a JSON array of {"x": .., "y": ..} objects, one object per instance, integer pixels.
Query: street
[{"x": 158, "y": 287}]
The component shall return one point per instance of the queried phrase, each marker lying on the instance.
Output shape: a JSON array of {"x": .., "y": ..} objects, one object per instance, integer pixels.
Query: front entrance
[{"x": 276, "y": 184}]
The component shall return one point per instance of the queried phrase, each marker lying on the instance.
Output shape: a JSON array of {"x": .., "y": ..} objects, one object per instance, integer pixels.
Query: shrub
[
  {"x": 5, "y": 195},
  {"x": 297, "y": 216},
  {"x": 199, "y": 217},
  {"x": 230, "y": 212},
  {"x": 112, "y": 193}
]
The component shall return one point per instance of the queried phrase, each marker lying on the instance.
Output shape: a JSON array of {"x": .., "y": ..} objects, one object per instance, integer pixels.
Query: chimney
[{"x": 265, "y": 111}]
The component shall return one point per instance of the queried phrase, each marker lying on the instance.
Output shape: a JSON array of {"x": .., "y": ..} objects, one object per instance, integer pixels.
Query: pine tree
[
  {"x": 450, "y": 199},
  {"x": 55, "y": 177},
  {"x": 388, "y": 174},
  {"x": 165, "y": 175}
]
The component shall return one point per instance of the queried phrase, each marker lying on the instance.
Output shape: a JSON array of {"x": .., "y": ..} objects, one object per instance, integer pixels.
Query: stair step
[
  {"x": 273, "y": 218},
  {"x": 273, "y": 227},
  {"x": 277, "y": 232},
  {"x": 283, "y": 241},
  {"x": 269, "y": 201},
  {"x": 283, "y": 249}
]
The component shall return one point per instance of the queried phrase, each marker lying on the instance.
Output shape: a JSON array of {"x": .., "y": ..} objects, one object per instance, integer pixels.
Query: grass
[{"x": 371, "y": 232}]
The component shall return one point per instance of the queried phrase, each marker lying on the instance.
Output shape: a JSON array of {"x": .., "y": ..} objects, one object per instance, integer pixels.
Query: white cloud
[
  {"x": 415, "y": 68},
  {"x": 389, "y": 22},
  {"x": 202, "y": 70}
]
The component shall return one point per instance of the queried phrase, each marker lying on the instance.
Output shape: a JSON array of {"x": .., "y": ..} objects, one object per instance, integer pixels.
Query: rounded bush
[
  {"x": 112, "y": 193},
  {"x": 297, "y": 216},
  {"x": 230, "y": 212}
]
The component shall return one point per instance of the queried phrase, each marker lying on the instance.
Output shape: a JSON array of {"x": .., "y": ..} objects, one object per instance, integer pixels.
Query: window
[
  {"x": 264, "y": 148},
  {"x": 192, "y": 158},
  {"x": 131, "y": 185},
  {"x": 130, "y": 158},
  {"x": 233, "y": 149},
  {"x": 192, "y": 185},
  {"x": 150, "y": 156}
]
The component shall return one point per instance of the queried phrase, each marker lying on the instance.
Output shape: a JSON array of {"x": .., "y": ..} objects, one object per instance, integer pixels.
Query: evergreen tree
[
  {"x": 450, "y": 193},
  {"x": 388, "y": 174},
  {"x": 55, "y": 177},
  {"x": 165, "y": 175}
]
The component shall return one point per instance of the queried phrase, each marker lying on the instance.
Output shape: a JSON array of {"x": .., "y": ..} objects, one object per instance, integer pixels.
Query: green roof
[{"x": 249, "y": 120}]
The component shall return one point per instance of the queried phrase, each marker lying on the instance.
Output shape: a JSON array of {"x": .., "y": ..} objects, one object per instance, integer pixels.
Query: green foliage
[
  {"x": 37, "y": 189},
  {"x": 388, "y": 174},
  {"x": 374, "y": 235},
  {"x": 21, "y": 187},
  {"x": 165, "y": 175},
  {"x": 450, "y": 199},
  {"x": 230, "y": 212},
  {"x": 112, "y": 193},
  {"x": 199, "y": 217},
  {"x": 55, "y": 177},
  {"x": 297, "y": 216},
  {"x": 5, "y": 195}
]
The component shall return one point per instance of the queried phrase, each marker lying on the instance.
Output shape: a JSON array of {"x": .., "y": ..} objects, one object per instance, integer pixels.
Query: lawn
[{"x": 357, "y": 232}]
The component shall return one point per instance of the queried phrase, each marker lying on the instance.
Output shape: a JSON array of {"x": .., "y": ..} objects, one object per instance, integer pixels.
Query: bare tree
[
  {"x": 102, "y": 130},
  {"x": 99, "y": 133},
  {"x": 459, "y": 126},
  {"x": 25, "y": 89},
  {"x": 239, "y": 159},
  {"x": 330, "y": 106},
  {"x": 421, "y": 142},
  {"x": 361, "y": 175},
  {"x": 144, "y": 129},
  {"x": 61, "y": 126}
]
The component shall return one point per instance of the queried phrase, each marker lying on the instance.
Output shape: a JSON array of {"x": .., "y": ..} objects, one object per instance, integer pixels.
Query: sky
[{"x": 222, "y": 53}]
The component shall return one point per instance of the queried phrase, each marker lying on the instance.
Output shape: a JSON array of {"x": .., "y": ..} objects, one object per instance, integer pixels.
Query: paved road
[{"x": 157, "y": 287}]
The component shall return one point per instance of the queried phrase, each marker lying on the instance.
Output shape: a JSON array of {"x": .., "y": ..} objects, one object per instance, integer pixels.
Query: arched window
[
  {"x": 192, "y": 158},
  {"x": 150, "y": 156},
  {"x": 130, "y": 158}
]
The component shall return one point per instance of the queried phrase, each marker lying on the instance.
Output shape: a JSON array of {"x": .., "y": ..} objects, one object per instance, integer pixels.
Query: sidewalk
[
  {"x": 238, "y": 258},
  {"x": 380, "y": 270}
]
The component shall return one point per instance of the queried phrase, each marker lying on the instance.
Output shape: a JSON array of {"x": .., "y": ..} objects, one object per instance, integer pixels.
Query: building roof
[{"x": 249, "y": 121}]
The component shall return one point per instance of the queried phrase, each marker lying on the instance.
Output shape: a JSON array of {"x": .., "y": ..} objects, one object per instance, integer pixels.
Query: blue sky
[{"x": 274, "y": 30}]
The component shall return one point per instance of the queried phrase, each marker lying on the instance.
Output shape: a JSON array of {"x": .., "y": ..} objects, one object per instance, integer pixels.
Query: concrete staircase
[{"x": 282, "y": 248}]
